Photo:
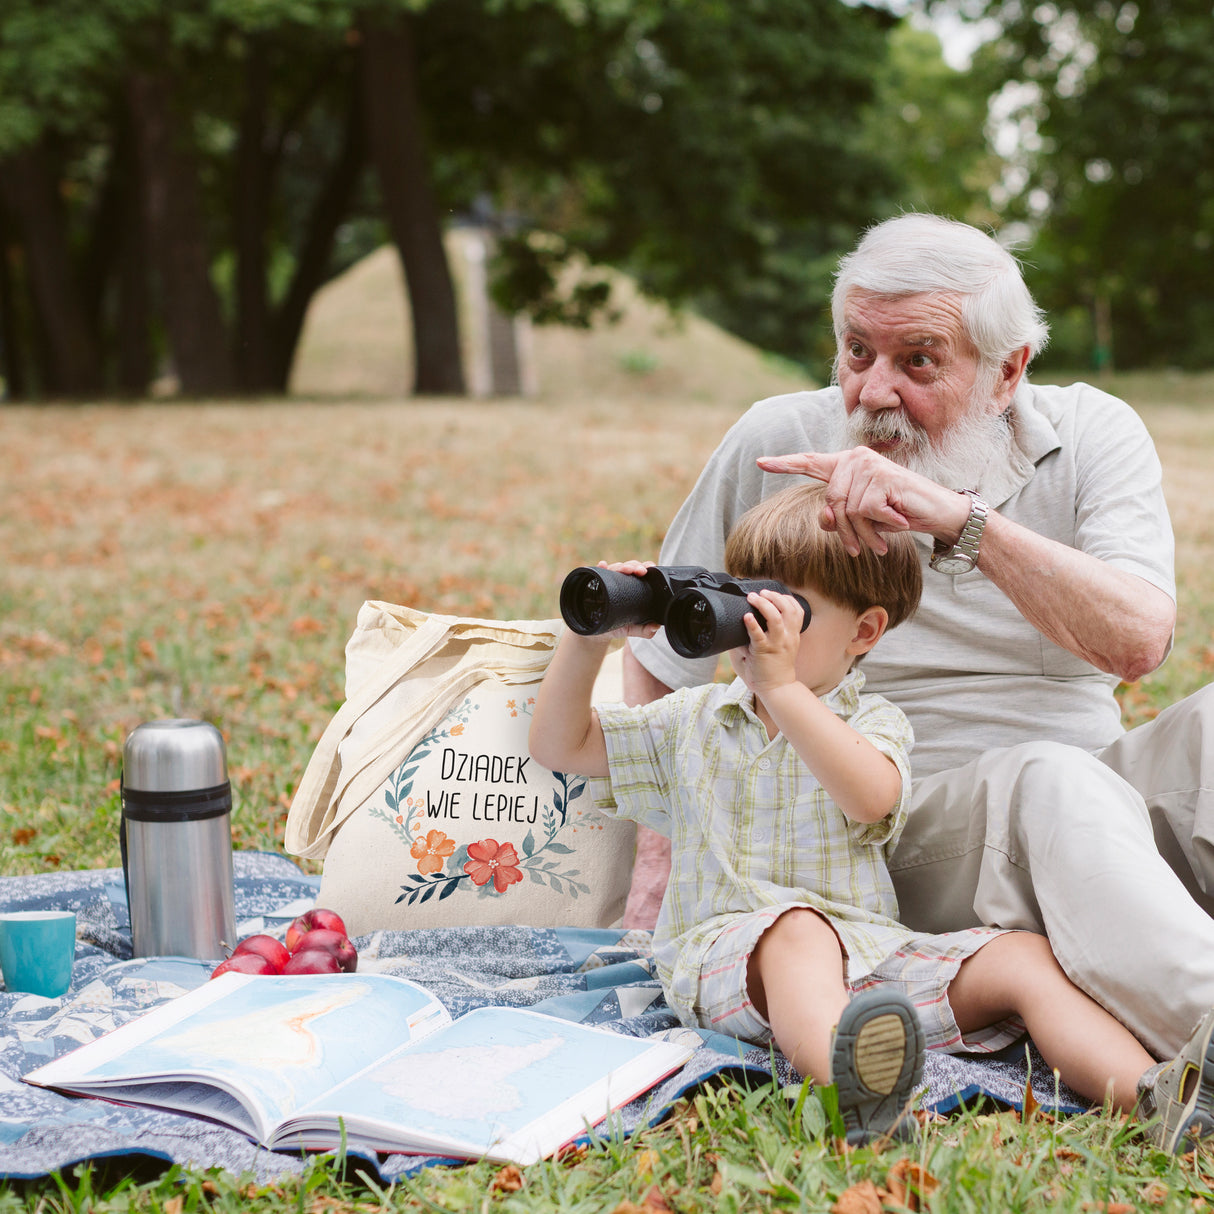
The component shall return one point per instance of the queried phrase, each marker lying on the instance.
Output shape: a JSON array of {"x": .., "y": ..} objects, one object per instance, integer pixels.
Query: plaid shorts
[{"x": 921, "y": 969}]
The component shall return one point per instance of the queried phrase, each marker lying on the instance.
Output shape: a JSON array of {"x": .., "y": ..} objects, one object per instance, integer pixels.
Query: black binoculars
[{"x": 702, "y": 612}]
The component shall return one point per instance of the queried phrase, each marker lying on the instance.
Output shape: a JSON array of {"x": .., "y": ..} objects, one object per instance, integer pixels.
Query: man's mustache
[{"x": 888, "y": 426}]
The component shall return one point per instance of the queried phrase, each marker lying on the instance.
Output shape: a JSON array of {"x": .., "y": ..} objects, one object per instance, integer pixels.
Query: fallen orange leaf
[
  {"x": 1030, "y": 1103},
  {"x": 507, "y": 1180},
  {"x": 1155, "y": 1193},
  {"x": 655, "y": 1202},
  {"x": 910, "y": 1184},
  {"x": 861, "y": 1198}
]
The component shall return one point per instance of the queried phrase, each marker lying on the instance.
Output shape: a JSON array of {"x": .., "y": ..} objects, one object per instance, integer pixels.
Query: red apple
[
  {"x": 333, "y": 942},
  {"x": 266, "y": 946},
  {"x": 245, "y": 963},
  {"x": 318, "y": 916},
  {"x": 312, "y": 961}
]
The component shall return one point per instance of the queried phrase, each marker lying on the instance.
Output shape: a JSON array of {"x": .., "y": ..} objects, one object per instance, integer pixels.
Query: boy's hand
[{"x": 769, "y": 660}]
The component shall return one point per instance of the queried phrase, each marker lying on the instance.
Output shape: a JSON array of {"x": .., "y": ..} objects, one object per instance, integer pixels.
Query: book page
[
  {"x": 272, "y": 1042},
  {"x": 489, "y": 1084},
  {"x": 198, "y": 1100}
]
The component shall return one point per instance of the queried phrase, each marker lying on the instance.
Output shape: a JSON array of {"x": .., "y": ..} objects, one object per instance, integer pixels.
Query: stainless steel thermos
[{"x": 176, "y": 838}]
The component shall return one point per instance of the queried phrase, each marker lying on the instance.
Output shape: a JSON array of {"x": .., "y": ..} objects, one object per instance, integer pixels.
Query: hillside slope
[{"x": 356, "y": 343}]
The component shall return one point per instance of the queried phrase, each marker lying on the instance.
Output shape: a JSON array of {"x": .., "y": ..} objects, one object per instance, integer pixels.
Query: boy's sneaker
[
  {"x": 1177, "y": 1097},
  {"x": 876, "y": 1063}
]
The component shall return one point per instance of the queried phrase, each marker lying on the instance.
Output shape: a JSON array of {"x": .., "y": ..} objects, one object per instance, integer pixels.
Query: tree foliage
[
  {"x": 1121, "y": 95},
  {"x": 175, "y": 179},
  {"x": 193, "y": 215},
  {"x": 714, "y": 150},
  {"x": 927, "y": 123}
]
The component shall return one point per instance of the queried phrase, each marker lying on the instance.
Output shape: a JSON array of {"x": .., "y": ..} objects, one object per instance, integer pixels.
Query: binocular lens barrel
[
  {"x": 584, "y": 601},
  {"x": 597, "y": 600},
  {"x": 704, "y": 622}
]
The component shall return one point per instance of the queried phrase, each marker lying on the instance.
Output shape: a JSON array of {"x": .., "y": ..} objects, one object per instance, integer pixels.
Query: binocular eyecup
[{"x": 703, "y": 612}]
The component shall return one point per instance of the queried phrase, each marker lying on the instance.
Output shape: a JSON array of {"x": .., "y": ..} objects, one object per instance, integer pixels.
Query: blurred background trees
[
  {"x": 1118, "y": 186},
  {"x": 177, "y": 181}
]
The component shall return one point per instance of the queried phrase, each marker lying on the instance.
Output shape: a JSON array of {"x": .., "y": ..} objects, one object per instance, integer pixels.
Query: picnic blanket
[{"x": 592, "y": 976}]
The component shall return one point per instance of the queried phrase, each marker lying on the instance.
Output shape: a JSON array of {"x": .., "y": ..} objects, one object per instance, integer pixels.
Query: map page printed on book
[{"x": 501, "y": 1082}]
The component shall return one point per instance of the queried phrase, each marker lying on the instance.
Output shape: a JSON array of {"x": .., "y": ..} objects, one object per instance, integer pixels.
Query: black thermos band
[{"x": 191, "y": 805}]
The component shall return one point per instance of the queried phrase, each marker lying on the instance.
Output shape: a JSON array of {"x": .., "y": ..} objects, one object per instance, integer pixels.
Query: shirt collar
[
  {"x": 843, "y": 699},
  {"x": 1033, "y": 438}
]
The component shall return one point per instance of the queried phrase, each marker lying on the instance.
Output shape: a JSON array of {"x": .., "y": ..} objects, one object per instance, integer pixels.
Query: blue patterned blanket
[{"x": 590, "y": 976}]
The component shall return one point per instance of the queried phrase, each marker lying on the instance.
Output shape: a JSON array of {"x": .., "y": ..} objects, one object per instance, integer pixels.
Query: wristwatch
[{"x": 962, "y": 556}]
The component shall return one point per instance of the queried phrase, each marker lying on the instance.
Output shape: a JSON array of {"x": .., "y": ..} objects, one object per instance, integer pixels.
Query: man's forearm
[{"x": 1117, "y": 621}]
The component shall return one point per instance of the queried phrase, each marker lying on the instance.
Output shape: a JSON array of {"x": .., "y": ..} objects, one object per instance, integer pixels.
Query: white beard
[{"x": 963, "y": 453}]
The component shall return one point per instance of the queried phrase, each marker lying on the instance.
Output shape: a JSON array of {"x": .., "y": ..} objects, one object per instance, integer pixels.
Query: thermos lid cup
[{"x": 176, "y": 755}]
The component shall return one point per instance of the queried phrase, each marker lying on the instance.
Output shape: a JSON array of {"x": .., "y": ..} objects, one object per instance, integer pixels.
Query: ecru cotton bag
[{"x": 421, "y": 796}]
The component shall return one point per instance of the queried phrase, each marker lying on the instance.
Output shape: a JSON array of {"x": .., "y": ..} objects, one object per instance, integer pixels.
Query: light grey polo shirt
[{"x": 968, "y": 670}]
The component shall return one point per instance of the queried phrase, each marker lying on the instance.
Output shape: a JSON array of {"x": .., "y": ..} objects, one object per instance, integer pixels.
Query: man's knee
[
  {"x": 1044, "y": 766},
  {"x": 991, "y": 831},
  {"x": 1053, "y": 788},
  {"x": 1033, "y": 786},
  {"x": 1173, "y": 752}
]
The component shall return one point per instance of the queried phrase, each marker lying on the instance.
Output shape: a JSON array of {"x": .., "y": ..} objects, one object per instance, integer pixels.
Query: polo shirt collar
[{"x": 1033, "y": 438}]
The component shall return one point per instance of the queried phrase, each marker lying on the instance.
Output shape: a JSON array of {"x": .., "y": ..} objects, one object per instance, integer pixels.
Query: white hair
[{"x": 927, "y": 254}]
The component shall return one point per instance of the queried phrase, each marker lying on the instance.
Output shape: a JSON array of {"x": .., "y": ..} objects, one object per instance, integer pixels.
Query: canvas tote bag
[{"x": 421, "y": 796}]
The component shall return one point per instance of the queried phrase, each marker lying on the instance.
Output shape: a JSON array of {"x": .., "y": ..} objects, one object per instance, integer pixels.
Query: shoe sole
[
  {"x": 876, "y": 1065},
  {"x": 1197, "y": 1123}
]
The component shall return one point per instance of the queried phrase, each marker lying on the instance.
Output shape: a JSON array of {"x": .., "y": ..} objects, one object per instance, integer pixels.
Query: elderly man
[{"x": 1049, "y": 579}]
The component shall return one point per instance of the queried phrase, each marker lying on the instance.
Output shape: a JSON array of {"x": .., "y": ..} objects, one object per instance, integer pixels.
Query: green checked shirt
[{"x": 750, "y": 826}]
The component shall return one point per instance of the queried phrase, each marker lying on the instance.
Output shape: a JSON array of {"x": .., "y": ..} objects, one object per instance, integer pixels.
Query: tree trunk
[
  {"x": 252, "y": 354},
  {"x": 312, "y": 262},
  {"x": 116, "y": 268},
  {"x": 389, "y": 80},
  {"x": 179, "y": 254},
  {"x": 133, "y": 310},
  {"x": 12, "y": 348},
  {"x": 30, "y": 191}
]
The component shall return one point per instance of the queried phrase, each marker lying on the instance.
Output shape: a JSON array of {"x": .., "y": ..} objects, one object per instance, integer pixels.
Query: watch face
[{"x": 953, "y": 564}]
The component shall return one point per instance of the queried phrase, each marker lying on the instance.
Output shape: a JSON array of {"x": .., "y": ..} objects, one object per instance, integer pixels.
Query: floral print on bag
[
  {"x": 440, "y": 864},
  {"x": 431, "y": 851},
  {"x": 493, "y": 861}
]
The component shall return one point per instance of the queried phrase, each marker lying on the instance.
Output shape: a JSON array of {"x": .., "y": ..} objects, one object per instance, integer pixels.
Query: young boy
[{"x": 782, "y": 794}]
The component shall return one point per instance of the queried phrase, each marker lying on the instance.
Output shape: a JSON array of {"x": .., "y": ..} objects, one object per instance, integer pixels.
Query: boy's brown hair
[{"x": 781, "y": 538}]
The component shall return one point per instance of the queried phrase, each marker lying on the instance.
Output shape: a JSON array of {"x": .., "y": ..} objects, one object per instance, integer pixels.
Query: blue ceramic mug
[{"x": 37, "y": 949}]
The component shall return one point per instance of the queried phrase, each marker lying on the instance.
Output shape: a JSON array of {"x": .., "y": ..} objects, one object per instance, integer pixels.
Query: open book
[{"x": 292, "y": 1060}]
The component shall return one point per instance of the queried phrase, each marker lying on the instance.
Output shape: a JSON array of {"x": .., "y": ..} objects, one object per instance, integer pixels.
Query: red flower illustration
[
  {"x": 431, "y": 851},
  {"x": 488, "y": 858}
]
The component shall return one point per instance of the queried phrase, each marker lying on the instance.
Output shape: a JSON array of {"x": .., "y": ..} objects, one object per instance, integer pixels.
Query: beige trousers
[{"x": 1111, "y": 855}]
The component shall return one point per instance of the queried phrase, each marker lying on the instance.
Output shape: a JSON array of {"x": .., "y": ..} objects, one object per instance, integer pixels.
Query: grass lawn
[{"x": 209, "y": 559}]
